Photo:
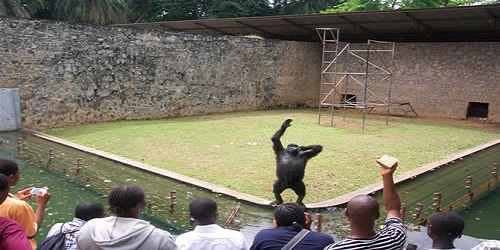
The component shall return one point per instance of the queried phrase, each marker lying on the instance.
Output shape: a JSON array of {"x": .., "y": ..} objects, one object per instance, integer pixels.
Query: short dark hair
[
  {"x": 202, "y": 209},
  {"x": 289, "y": 214},
  {"x": 446, "y": 224},
  {"x": 87, "y": 210},
  {"x": 4, "y": 182},
  {"x": 8, "y": 167},
  {"x": 123, "y": 198},
  {"x": 4, "y": 187}
]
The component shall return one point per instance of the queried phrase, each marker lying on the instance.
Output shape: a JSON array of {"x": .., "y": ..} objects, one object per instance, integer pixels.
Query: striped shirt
[{"x": 391, "y": 237}]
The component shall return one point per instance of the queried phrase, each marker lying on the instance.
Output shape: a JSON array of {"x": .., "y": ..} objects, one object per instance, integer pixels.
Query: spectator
[
  {"x": 125, "y": 230},
  {"x": 84, "y": 212},
  {"x": 207, "y": 235},
  {"x": 290, "y": 220},
  {"x": 12, "y": 235},
  {"x": 362, "y": 212},
  {"x": 443, "y": 228},
  {"x": 17, "y": 208}
]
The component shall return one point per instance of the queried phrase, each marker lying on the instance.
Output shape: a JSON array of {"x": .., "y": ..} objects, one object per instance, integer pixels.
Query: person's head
[
  {"x": 11, "y": 170},
  {"x": 293, "y": 149},
  {"x": 203, "y": 211},
  {"x": 445, "y": 226},
  {"x": 127, "y": 201},
  {"x": 363, "y": 210},
  {"x": 87, "y": 210},
  {"x": 4, "y": 188},
  {"x": 290, "y": 215}
]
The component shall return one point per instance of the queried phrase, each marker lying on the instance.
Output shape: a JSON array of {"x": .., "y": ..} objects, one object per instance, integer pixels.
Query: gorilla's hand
[{"x": 287, "y": 123}]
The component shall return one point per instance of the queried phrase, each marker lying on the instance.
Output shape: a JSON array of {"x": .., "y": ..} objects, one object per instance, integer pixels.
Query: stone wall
[
  {"x": 437, "y": 79},
  {"x": 71, "y": 74},
  {"x": 440, "y": 79}
]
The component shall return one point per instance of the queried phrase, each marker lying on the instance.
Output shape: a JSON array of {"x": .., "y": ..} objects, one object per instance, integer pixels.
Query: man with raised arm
[{"x": 362, "y": 212}]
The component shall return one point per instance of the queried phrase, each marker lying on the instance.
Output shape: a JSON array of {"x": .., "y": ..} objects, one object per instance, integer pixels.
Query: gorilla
[{"x": 290, "y": 165}]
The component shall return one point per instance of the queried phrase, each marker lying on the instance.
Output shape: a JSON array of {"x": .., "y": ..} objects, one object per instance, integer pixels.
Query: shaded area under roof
[{"x": 452, "y": 24}]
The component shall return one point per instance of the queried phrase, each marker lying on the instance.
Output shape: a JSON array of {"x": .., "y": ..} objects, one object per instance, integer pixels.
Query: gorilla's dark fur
[{"x": 290, "y": 165}]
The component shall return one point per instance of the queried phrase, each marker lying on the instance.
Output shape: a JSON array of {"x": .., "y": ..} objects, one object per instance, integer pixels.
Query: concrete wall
[
  {"x": 71, "y": 74},
  {"x": 10, "y": 109}
]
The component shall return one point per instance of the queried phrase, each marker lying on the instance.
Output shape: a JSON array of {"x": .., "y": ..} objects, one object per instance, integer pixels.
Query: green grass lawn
[{"x": 235, "y": 151}]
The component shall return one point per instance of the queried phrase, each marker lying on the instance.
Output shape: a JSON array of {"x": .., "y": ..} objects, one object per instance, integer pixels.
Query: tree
[
  {"x": 374, "y": 5},
  {"x": 238, "y": 8},
  {"x": 12, "y": 8},
  {"x": 358, "y": 5},
  {"x": 292, "y": 7},
  {"x": 169, "y": 10},
  {"x": 90, "y": 11}
]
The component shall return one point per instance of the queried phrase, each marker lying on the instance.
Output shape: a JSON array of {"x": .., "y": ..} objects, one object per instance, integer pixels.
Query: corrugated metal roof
[{"x": 452, "y": 24}]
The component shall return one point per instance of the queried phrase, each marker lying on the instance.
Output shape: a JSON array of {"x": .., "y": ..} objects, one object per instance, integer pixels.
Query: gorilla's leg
[
  {"x": 300, "y": 189},
  {"x": 278, "y": 188}
]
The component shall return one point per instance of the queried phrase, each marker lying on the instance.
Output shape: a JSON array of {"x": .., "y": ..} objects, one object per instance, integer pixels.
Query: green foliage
[
  {"x": 33, "y": 6},
  {"x": 91, "y": 11},
  {"x": 238, "y": 8},
  {"x": 170, "y": 10},
  {"x": 358, "y": 5},
  {"x": 378, "y": 5},
  {"x": 302, "y": 6}
]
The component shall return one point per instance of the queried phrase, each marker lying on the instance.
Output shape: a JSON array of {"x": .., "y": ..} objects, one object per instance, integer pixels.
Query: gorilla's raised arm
[
  {"x": 310, "y": 151},
  {"x": 277, "y": 146}
]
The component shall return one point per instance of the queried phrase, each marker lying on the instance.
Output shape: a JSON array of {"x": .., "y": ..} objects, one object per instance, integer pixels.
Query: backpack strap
[
  {"x": 68, "y": 232},
  {"x": 295, "y": 240}
]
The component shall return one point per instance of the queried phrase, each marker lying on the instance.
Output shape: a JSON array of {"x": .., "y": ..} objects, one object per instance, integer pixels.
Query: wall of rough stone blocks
[
  {"x": 437, "y": 79},
  {"x": 440, "y": 79},
  {"x": 71, "y": 74}
]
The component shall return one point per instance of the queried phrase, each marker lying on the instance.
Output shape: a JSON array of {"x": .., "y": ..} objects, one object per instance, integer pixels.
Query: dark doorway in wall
[
  {"x": 348, "y": 98},
  {"x": 477, "y": 110}
]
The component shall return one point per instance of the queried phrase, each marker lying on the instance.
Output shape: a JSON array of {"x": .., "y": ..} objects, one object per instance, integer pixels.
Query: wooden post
[
  {"x": 437, "y": 199},
  {"x": 319, "y": 222},
  {"x": 418, "y": 210},
  {"x": 172, "y": 200},
  {"x": 78, "y": 165},
  {"x": 51, "y": 155},
  {"x": 468, "y": 185},
  {"x": 494, "y": 171},
  {"x": 232, "y": 215},
  {"x": 18, "y": 142}
]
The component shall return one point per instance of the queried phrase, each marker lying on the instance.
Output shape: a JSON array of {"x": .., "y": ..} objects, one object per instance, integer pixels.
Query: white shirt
[{"x": 211, "y": 237}]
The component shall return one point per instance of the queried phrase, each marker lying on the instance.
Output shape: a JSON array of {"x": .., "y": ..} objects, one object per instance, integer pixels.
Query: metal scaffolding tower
[{"x": 354, "y": 76}]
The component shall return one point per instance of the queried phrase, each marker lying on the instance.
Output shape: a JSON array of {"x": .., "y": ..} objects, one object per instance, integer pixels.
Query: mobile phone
[
  {"x": 387, "y": 161},
  {"x": 35, "y": 190}
]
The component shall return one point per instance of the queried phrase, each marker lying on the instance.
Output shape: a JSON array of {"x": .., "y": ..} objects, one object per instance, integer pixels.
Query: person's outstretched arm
[
  {"x": 392, "y": 202},
  {"x": 277, "y": 146}
]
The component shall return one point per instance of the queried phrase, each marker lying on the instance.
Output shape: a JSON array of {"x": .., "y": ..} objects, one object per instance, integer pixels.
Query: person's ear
[
  {"x": 275, "y": 224},
  {"x": 346, "y": 213},
  {"x": 377, "y": 216}
]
